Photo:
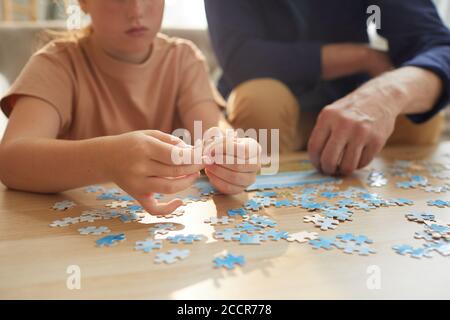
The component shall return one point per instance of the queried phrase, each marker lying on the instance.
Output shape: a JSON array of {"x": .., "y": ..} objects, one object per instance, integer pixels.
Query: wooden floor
[{"x": 34, "y": 258}]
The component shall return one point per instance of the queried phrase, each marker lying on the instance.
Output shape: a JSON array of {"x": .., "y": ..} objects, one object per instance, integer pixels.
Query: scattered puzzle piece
[
  {"x": 94, "y": 230},
  {"x": 229, "y": 261},
  {"x": 148, "y": 245},
  {"x": 64, "y": 205},
  {"x": 110, "y": 240},
  {"x": 171, "y": 256},
  {"x": 302, "y": 236}
]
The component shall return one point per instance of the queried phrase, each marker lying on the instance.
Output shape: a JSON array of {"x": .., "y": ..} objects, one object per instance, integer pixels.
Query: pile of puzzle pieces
[{"x": 327, "y": 203}]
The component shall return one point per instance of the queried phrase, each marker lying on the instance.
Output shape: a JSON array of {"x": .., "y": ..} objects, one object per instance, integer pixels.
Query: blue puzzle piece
[
  {"x": 229, "y": 261},
  {"x": 341, "y": 214},
  {"x": 283, "y": 203},
  {"x": 248, "y": 227},
  {"x": 148, "y": 245},
  {"x": 274, "y": 235},
  {"x": 253, "y": 205},
  {"x": 403, "y": 249},
  {"x": 250, "y": 239},
  {"x": 403, "y": 201},
  {"x": 269, "y": 194},
  {"x": 358, "y": 240},
  {"x": 237, "y": 212},
  {"x": 420, "y": 216},
  {"x": 228, "y": 234},
  {"x": 110, "y": 240},
  {"x": 439, "y": 203},
  {"x": 186, "y": 239},
  {"x": 262, "y": 221},
  {"x": 329, "y": 195},
  {"x": 323, "y": 243}
]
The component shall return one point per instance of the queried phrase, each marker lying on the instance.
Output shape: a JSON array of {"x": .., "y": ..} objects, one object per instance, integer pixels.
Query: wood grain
[{"x": 34, "y": 257}]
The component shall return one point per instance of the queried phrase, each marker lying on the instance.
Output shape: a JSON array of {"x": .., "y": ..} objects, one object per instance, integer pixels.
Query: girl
[{"x": 81, "y": 110}]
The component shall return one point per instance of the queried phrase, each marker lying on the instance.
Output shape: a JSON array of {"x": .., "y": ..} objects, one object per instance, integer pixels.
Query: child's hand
[
  {"x": 141, "y": 164},
  {"x": 234, "y": 163}
]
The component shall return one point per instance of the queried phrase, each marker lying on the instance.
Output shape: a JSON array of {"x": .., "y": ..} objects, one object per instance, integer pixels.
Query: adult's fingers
[
  {"x": 318, "y": 140},
  {"x": 333, "y": 152},
  {"x": 351, "y": 158}
]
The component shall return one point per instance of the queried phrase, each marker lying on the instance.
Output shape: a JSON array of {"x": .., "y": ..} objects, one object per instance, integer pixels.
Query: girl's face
[{"x": 125, "y": 28}]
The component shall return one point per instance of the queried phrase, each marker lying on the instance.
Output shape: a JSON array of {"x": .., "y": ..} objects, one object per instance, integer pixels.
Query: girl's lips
[{"x": 137, "y": 32}]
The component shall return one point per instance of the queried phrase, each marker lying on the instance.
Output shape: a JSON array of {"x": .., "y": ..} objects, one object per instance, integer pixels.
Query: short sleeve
[
  {"x": 195, "y": 85},
  {"x": 45, "y": 77}
]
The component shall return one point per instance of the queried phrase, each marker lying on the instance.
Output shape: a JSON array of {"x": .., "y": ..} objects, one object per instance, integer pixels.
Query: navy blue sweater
[{"x": 282, "y": 39}]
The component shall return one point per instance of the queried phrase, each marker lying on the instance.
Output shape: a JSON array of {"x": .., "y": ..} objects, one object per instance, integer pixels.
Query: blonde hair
[{"x": 49, "y": 35}]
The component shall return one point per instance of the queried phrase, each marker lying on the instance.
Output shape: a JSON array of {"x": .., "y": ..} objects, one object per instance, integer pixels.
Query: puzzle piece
[
  {"x": 63, "y": 205},
  {"x": 229, "y": 261},
  {"x": 171, "y": 256},
  {"x": 262, "y": 221},
  {"x": 148, "y": 245},
  {"x": 274, "y": 235},
  {"x": 253, "y": 205},
  {"x": 228, "y": 234},
  {"x": 239, "y": 211},
  {"x": 323, "y": 243},
  {"x": 216, "y": 221},
  {"x": 65, "y": 222},
  {"x": 265, "y": 194},
  {"x": 186, "y": 239},
  {"x": 248, "y": 227},
  {"x": 107, "y": 196},
  {"x": 419, "y": 216},
  {"x": 327, "y": 224},
  {"x": 302, "y": 236},
  {"x": 341, "y": 214},
  {"x": 118, "y": 204},
  {"x": 161, "y": 228},
  {"x": 314, "y": 218},
  {"x": 94, "y": 189},
  {"x": 357, "y": 239},
  {"x": 283, "y": 203},
  {"x": 94, "y": 230},
  {"x": 110, "y": 240},
  {"x": 403, "y": 249},
  {"x": 439, "y": 203},
  {"x": 402, "y": 201},
  {"x": 250, "y": 238}
]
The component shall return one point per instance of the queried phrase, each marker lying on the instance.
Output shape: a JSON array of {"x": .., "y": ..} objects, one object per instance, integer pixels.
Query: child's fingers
[
  {"x": 164, "y": 170},
  {"x": 168, "y": 138},
  {"x": 232, "y": 163},
  {"x": 173, "y": 155},
  {"x": 244, "y": 148},
  {"x": 242, "y": 179},
  {"x": 222, "y": 185},
  {"x": 170, "y": 185},
  {"x": 154, "y": 207}
]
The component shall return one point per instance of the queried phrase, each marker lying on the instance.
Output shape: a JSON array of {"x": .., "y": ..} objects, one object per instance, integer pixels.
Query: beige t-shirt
[{"x": 97, "y": 95}]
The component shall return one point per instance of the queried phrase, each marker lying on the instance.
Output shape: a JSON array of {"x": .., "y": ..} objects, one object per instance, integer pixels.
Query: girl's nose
[{"x": 135, "y": 8}]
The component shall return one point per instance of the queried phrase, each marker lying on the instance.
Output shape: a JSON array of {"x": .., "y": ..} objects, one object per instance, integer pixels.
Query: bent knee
[{"x": 262, "y": 103}]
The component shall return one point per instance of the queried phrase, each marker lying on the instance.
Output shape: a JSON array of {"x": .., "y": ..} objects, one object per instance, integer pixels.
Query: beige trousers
[{"x": 269, "y": 104}]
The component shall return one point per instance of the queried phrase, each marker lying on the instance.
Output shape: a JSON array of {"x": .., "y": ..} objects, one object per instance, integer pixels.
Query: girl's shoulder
[
  {"x": 61, "y": 49},
  {"x": 179, "y": 46}
]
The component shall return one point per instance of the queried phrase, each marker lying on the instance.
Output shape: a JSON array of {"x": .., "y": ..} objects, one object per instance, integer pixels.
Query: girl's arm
[{"x": 32, "y": 159}]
